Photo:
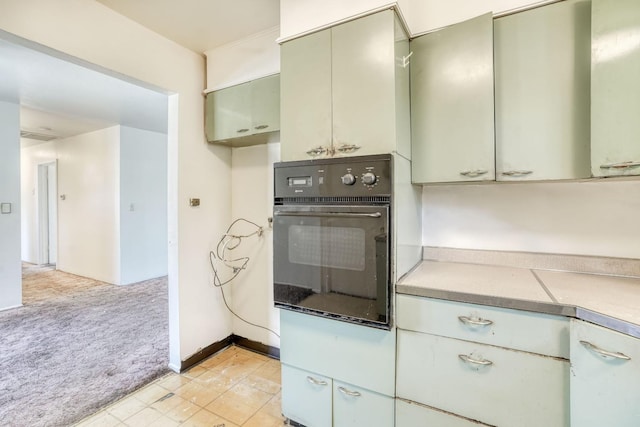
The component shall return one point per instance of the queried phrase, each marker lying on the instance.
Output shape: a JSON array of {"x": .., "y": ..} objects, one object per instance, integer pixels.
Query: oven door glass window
[{"x": 333, "y": 261}]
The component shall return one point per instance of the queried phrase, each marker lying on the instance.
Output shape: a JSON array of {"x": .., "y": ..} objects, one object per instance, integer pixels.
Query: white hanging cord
[{"x": 228, "y": 242}]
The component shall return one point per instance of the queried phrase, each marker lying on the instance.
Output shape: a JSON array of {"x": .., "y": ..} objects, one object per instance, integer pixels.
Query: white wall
[
  {"x": 143, "y": 205},
  {"x": 95, "y": 33},
  {"x": 428, "y": 15},
  {"x": 88, "y": 220},
  {"x": 10, "y": 268},
  {"x": 302, "y": 16},
  {"x": 243, "y": 60},
  {"x": 30, "y": 157},
  {"x": 584, "y": 218},
  {"x": 252, "y": 198}
]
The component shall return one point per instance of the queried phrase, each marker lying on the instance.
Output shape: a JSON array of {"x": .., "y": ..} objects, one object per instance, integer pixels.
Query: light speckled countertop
[{"x": 607, "y": 300}]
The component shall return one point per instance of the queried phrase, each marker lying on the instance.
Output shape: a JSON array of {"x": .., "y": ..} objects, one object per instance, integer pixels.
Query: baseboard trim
[
  {"x": 232, "y": 339},
  {"x": 256, "y": 346}
]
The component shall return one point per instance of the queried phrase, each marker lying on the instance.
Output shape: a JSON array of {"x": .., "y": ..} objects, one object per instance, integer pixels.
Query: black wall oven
[{"x": 331, "y": 238}]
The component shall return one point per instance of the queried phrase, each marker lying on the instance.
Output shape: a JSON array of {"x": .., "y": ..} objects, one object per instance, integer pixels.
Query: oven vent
[{"x": 335, "y": 199}]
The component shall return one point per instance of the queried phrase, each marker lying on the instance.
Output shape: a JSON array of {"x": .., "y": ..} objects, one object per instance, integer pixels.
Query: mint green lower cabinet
[
  {"x": 411, "y": 414},
  {"x": 306, "y": 397},
  {"x": 354, "y": 406},
  {"x": 605, "y": 377},
  {"x": 493, "y": 385},
  {"x": 318, "y": 401}
]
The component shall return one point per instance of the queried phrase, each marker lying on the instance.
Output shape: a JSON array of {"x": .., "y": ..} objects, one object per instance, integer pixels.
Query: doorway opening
[{"x": 47, "y": 213}]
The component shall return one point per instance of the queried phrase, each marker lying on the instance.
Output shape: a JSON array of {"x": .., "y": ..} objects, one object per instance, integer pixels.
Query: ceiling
[
  {"x": 201, "y": 25},
  {"x": 62, "y": 97}
]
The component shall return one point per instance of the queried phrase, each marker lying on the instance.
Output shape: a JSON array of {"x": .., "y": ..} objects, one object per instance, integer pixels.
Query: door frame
[{"x": 47, "y": 209}]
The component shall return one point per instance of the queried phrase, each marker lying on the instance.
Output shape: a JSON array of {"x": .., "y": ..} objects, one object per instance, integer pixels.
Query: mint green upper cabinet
[
  {"x": 244, "y": 114},
  {"x": 305, "y": 70},
  {"x": 615, "y": 88},
  {"x": 342, "y": 90},
  {"x": 452, "y": 108},
  {"x": 542, "y": 63}
]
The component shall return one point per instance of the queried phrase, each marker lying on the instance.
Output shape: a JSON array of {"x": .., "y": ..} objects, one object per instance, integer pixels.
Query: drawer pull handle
[
  {"x": 242, "y": 130},
  {"x": 349, "y": 392},
  {"x": 315, "y": 381},
  {"x": 467, "y": 359},
  {"x": 475, "y": 321},
  {"x": 604, "y": 353},
  {"x": 314, "y": 152},
  {"x": 517, "y": 173},
  {"x": 348, "y": 148},
  {"x": 621, "y": 165},
  {"x": 474, "y": 173},
  {"x": 260, "y": 127}
]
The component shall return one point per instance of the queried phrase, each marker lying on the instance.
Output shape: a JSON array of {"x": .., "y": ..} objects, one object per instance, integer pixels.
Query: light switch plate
[
  {"x": 194, "y": 202},
  {"x": 5, "y": 208}
]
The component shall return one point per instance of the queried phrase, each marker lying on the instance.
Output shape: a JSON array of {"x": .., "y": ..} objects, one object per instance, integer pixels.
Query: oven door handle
[{"x": 329, "y": 214}]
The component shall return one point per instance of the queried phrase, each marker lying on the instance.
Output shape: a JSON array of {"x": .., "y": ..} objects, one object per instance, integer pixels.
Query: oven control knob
[
  {"x": 369, "y": 178},
  {"x": 348, "y": 179}
]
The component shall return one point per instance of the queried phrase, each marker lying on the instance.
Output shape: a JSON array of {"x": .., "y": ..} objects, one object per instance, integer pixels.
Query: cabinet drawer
[
  {"x": 411, "y": 414},
  {"x": 354, "y": 353},
  {"x": 513, "y": 389},
  {"x": 355, "y": 406},
  {"x": 605, "y": 380},
  {"x": 520, "y": 330},
  {"x": 306, "y": 397}
]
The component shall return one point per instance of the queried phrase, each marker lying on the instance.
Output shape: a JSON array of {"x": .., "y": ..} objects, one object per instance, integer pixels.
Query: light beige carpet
[{"x": 78, "y": 345}]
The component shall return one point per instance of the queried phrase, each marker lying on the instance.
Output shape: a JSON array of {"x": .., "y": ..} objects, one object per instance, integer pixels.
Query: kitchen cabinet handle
[
  {"x": 475, "y": 321},
  {"x": 348, "y": 148},
  {"x": 349, "y": 392},
  {"x": 474, "y": 173},
  {"x": 315, "y": 381},
  {"x": 517, "y": 173},
  {"x": 242, "y": 130},
  {"x": 329, "y": 214},
  {"x": 620, "y": 165},
  {"x": 468, "y": 359},
  {"x": 314, "y": 152},
  {"x": 604, "y": 353},
  {"x": 260, "y": 127}
]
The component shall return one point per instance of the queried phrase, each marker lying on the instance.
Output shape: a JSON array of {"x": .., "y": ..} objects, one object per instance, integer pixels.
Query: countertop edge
[{"x": 551, "y": 308}]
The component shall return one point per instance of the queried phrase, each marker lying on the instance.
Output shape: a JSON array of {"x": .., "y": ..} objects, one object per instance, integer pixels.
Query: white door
[{"x": 47, "y": 213}]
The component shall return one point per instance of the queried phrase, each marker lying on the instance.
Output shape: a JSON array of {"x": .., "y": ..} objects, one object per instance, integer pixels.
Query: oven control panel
[{"x": 346, "y": 176}]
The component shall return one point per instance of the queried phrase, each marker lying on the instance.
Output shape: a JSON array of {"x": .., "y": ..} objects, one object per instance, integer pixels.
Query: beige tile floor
[{"x": 232, "y": 388}]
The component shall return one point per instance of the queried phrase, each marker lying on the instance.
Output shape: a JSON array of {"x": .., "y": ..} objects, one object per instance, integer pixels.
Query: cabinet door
[
  {"x": 452, "y": 127},
  {"x": 355, "y": 406},
  {"x": 615, "y": 88},
  {"x": 490, "y": 384},
  {"x": 363, "y": 66},
  {"x": 542, "y": 69},
  {"x": 265, "y": 104},
  {"x": 305, "y": 87},
  {"x": 411, "y": 414},
  {"x": 228, "y": 113},
  {"x": 605, "y": 380},
  {"x": 306, "y": 397}
]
